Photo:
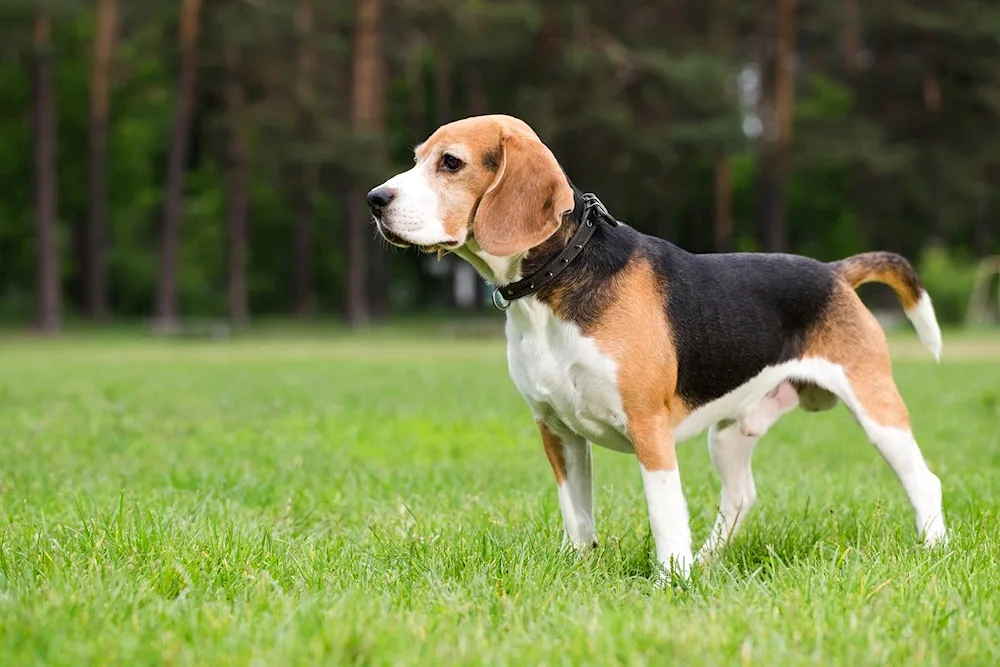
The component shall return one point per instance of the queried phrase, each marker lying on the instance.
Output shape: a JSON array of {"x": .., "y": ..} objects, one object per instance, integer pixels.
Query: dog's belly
[
  {"x": 565, "y": 378},
  {"x": 824, "y": 381},
  {"x": 570, "y": 384}
]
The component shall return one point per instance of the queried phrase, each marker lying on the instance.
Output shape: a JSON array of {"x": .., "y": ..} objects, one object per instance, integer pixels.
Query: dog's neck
[
  {"x": 505, "y": 270},
  {"x": 541, "y": 254}
]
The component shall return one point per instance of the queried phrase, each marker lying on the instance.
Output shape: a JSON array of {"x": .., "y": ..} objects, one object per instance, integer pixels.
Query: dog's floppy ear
[{"x": 526, "y": 201}]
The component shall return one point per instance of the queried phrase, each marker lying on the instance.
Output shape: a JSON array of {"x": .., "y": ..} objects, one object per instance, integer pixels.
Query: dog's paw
[{"x": 676, "y": 570}]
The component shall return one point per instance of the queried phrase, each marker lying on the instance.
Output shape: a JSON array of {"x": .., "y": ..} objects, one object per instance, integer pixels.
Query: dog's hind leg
[
  {"x": 885, "y": 419},
  {"x": 731, "y": 452},
  {"x": 731, "y": 445},
  {"x": 853, "y": 340}
]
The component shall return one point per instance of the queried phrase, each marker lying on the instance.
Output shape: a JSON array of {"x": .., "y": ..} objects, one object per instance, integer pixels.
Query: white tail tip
[{"x": 925, "y": 322}]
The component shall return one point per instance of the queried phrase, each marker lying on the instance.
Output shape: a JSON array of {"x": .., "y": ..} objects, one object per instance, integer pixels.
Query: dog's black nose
[{"x": 379, "y": 198}]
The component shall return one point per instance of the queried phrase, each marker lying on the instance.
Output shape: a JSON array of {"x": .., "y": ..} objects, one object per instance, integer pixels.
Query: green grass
[{"x": 385, "y": 501}]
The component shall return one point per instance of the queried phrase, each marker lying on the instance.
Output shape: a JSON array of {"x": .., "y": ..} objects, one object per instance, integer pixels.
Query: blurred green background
[{"x": 163, "y": 161}]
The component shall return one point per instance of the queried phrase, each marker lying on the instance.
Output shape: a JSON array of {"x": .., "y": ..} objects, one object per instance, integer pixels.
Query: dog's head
[{"x": 486, "y": 177}]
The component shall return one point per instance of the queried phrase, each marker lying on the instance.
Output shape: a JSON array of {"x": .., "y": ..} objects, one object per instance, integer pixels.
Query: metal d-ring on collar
[{"x": 503, "y": 296}]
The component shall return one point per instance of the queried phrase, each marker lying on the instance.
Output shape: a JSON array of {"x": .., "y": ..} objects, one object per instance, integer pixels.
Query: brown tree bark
[
  {"x": 378, "y": 278},
  {"x": 983, "y": 229},
  {"x": 478, "y": 106},
  {"x": 305, "y": 225},
  {"x": 478, "y": 102},
  {"x": 722, "y": 226},
  {"x": 443, "y": 88},
  {"x": 417, "y": 100},
  {"x": 784, "y": 111},
  {"x": 852, "y": 36},
  {"x": 932, "y": 103},
  {"x": 777, "y": 95},
  {"x": 378, "y": 265},
  {"x": 304, "y": 295},
  {"x": 785, "y": 89},
  {"x": 94, "y": 256},
  {"x": 723, "y": 221},
  {"x": 357, "y": 312},
  {"x": 173, "y": 206},
  {"x": 367, "y": 117},
  {"x": 49, "y": 294},
  {"x": 237, "y": 196},
  {"x": 858, "y": 181},
  {"x": 444, "y": 113},
  {"x": 764, "y": 39}
]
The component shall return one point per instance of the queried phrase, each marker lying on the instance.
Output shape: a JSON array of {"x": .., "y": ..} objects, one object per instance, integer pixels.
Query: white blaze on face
[{"x": 414, "y": 214}]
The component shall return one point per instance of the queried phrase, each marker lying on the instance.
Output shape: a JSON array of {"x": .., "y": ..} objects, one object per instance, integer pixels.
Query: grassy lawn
[{"x": 385, "y": 501}]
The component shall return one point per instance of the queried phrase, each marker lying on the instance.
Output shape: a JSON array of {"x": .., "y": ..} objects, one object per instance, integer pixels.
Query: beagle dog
[{"x": 626, "y": 341}]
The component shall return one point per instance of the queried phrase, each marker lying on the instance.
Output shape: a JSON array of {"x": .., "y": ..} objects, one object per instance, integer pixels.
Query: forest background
[{"x": 169, "y": 160}]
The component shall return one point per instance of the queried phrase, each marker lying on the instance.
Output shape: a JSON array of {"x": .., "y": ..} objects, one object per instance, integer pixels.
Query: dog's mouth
[
  {"x": 398, "y": 241},
  {"x": 395, "y": 240}
]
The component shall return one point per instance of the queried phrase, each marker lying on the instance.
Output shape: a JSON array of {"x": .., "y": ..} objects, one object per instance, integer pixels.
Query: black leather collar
[{"x": 593, "y": 213}]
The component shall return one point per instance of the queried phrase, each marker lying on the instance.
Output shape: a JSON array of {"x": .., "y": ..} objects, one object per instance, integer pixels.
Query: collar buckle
[
  {"x": 592, "y": 201},
  {"x": 499, "y": 302}
]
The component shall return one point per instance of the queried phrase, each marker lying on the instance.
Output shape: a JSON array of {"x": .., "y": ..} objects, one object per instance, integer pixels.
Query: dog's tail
[{"x": 893, "y": 270}]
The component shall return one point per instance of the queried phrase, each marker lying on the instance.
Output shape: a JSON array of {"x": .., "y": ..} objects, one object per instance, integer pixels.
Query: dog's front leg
[
  {"x": 668, "y": 516},
  {"x": 569, "y": 455}
]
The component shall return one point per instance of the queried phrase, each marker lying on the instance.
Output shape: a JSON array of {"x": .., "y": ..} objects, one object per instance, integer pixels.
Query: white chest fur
[{"x": 567, "y": 381}]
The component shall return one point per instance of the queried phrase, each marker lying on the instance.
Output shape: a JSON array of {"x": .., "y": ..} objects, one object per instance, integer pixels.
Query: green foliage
[
  {"x": 211, "y": 503},
  {"x": 637, "y": 100}
]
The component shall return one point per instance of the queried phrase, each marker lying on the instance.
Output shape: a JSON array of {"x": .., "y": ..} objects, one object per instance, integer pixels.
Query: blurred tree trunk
[
  {"x": 932, "y": 105},
  {"x": 785, "y": 108},
  {"x": 237, "y": 196},
  {"x": 444, "y": 113},
  {"x": 982, "y": 239},
  {"x": 479, "y": 105},
  {"x": 368, "y": 113},
  {"x": 778, "y": 79},
  {"x": 414, "y": 73},
  {"x": 173, "y": 206},
  {"x": 764, "y": 38},
  {"x": 722, "y": 228},
  {"x": 308, "y": 176},
  {"x": 378, "y": 266},
  {"x": 305, "y": 225},
  {"x": 852, "y": 36},
  {"x": 378, "y": 276},
  {"x": 49, "y": 293},
  {"x": 94, "y": 258},
  {"x": 443, "y": 88},
  {"x": 857, "y": 179}
]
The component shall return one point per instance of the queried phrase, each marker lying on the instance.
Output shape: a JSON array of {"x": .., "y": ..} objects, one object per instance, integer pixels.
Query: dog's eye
[{"x": 450, "y": 163}]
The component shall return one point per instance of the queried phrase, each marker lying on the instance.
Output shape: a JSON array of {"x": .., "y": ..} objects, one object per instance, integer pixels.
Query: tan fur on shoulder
[{"x": 634, "y": 332}]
